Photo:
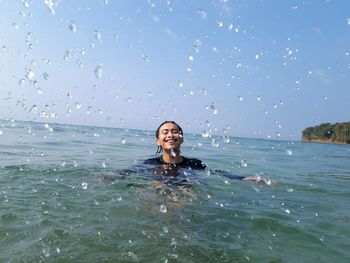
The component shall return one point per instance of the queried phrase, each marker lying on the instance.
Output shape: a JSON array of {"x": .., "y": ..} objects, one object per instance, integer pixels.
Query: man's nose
[{"x": 170, "y": 134}]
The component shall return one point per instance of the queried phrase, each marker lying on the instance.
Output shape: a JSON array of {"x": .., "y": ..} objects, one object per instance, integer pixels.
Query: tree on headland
[{"x": 327, "y": 132}]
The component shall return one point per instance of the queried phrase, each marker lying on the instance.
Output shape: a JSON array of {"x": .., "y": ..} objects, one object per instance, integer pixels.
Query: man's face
[{"x": 169, "y": 137}]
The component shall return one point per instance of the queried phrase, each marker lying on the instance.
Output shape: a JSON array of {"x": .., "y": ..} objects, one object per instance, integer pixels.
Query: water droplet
[
  {"x": 69, "y": 95},
  {"x": 123, "y": 141},
  {"x": 97, "y": 35},
  {"x": 21, "y": 82},
  {"x": 268, "y": 181},
  {"x": 88, "y": 110},
  {"x": 46, "y": 252},
  {"x": 84, "y": 185},
  {"x": 63, "y": 163},
  {"x": 348, "y": 21},
  {"x": 25, "y": 3},
  {"x": 191, "y": 58},
  {"x": 205, "y": 134},
  {"x": 289, "y": 152},
  {"x": 58, "y": 250},
  {"x": 212, "y": 109},
  {"x": 46, "y": 76},
  {"x": 220, "y": 23},
  {"x": 103, "y": 164},
  {"x": 214, "y": 143},
  {"x": 172, "y": 153},
  {"x": 290, "y": 189},
  {"x": 325, "y": 98},
  {"x": 1, "y": 132},
  {"x": 197, "y": 45},
  {"x": 173, "y": 242},
  {"x": 67, "y": 55},
  {"x": 202, "y": 13},
  {"x": 226, "y": 138},
  {"x": 286, "y": 210},
  {"x": 39, "y": 91},
  {"x": 29, "y": 73},
  {"x": 258, "y": 98},
  {"x": 50, "y": 4},
  {"x": 244, "y": 163},
  {"x": 163, "y": 209},
  {"x": 98, "y": 71},
  {"x": 72, "y": 27},
  {"x": 77, "y": 105},
  {"x": 240, "y": 98},
  {"x": 181, "y": 84},
  {"x": 15, "y": 25},
  {"x": 165, "y": 229},
  {"x": 145, "y": 58}
]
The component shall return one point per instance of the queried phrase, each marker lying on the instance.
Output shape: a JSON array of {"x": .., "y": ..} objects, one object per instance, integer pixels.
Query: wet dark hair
[{"x": 159, "y": 149}]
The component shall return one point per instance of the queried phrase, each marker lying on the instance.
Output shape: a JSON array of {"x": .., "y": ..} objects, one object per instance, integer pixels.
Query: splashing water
[
  {"x": 46, "y": 76},
  {"x": 77, "y": 105},
  {"x": 205, "y": 134},
  {"x": 197, "y": 45},
  {"x": 214, "y": 143},
  {"x": 97, "y": 35},
  {"x": 29, "y": 74},
  {"x": 21, "y": 82},
  {"x": 72, "y": 26},
  {"x": 50, "y": 5},
  {"x": 84, "y": 185},
  {"x": 172, "y": 153},
  {"x": 244, "y": 163},
  {"x": 163, "y": 209},
  {"x": 98, "y": 71},
  {"x": 290, "y": 189},
  {"x": 226, "y": 138}
]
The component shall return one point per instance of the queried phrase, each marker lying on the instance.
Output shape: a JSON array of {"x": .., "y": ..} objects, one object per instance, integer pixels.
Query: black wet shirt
[{"x": 186, "y": 163}]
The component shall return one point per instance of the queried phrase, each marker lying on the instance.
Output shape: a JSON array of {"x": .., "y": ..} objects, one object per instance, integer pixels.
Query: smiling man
[{"x": 169, "y": 137}]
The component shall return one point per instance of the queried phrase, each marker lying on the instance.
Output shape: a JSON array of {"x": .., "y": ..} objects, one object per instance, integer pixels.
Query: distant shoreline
[
  {"x": 327, "y": 133},
  {"x": 324, "y": 142}
]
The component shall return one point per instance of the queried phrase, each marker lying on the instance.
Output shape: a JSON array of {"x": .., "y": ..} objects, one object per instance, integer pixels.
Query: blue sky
[{"x": 264, "y": 69}]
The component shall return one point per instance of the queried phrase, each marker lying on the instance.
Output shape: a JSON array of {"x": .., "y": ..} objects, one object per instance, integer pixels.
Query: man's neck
[{"x": 173, "y": 157}]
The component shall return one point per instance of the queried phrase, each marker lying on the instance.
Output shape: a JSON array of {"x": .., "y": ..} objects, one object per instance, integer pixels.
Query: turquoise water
[{"x": 57, "y": 204}]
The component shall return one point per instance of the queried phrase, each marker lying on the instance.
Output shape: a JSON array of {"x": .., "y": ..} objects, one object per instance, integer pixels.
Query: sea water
[{"x": 61, "y": 199}]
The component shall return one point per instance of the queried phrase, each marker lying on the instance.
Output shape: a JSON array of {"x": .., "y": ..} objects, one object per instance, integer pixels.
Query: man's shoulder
[{"x": 194, "y": 163}]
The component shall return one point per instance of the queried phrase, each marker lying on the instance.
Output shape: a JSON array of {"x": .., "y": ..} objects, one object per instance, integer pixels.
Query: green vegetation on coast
[{"x": 328, "y": 133}]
